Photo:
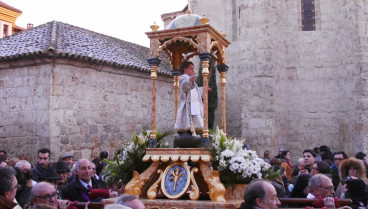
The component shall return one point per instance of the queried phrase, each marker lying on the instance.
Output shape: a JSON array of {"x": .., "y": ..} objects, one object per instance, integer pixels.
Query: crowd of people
[
  {"x": 320, "y": 174},
  {"x": 59, "y": 185}
]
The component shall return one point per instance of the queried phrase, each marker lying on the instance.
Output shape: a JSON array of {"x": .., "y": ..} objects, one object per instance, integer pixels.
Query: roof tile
[{"x": 64, "y": 40}]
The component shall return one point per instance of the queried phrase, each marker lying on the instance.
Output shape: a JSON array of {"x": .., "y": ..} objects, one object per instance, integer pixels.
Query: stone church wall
[
  {"x": 292, "y": 88},
  {"x": 24, "y": 109},
  {"x": 78, "y": 107}
]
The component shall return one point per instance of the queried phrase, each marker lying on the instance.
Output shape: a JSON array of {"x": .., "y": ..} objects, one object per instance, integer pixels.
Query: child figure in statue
[{"x": 190, "y": 111}]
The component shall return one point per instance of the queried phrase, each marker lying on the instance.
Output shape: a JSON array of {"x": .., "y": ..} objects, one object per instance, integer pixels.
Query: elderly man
[
  {"x": 25, "y": 181},
  {"x": 130, "y": 201},
  {"x": 26, "y": 168},
  {"x": 321, "y": 187},
  {"x": 8, "y": 188},
  {"x": 260, "y": 194},
  {"x": 84, "y": 188},
  {"x": 43, "y": 162},
  {"x": 67, "y": 158},
  {"x": 45, "y": 193}
]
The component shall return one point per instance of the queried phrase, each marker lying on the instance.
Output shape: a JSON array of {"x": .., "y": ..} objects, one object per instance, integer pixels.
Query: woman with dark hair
[
  {"x": 320, "y": 167},
  {"x": 300, "y": 189},
  {"x": 285, "y": 164}
]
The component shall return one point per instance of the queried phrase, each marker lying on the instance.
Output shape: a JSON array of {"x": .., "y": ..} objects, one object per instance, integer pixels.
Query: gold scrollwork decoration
[
  {"x": 135, "y": 185},
  {"x": 173, "y": 40},
  {"x": 194, "y": 193},
  {"x": 155, "y": 207},
  {"x": 216, "y": 46},
  {"x": 216, "y": 188},
  {"x": 152, "y": 191}
]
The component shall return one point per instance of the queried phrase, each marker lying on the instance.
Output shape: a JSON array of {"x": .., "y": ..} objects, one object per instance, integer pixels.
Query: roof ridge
[
  {"x": 53, "y": 40},
  {"x": 171, "y": 13},
  {"x": 7, "y": 6},
  {"x": 101, "y": 34}
]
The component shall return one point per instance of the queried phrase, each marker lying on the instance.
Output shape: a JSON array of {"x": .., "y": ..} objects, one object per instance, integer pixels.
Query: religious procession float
[{"x": 204, "y": 169}]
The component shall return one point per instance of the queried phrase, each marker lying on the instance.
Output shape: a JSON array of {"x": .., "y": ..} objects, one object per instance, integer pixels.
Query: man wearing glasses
[
  {"x": 334, "y": 169},
  {"x": 45, "y": 193},
  {"x": 321, "y": 187},
  {"x": 8, "y": 188}
]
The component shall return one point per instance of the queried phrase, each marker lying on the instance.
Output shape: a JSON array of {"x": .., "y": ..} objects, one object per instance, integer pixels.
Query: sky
[{"x": 124, "y": 19}]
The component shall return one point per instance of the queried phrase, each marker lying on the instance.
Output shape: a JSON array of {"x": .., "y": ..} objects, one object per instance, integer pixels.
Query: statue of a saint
[{"x": 190, "y": 111}]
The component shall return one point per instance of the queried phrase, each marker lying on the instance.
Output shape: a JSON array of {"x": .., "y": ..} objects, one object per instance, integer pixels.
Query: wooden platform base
[
  {"x": 189, "y": 204},
  {"x": 175, "y": 172},
  {"x": 183, "y": 204}
]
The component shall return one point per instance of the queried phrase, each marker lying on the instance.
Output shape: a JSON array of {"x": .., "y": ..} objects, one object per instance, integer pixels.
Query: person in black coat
[
  {"x": 43, "y": 162},
  {"x": 84, "y": 188}
]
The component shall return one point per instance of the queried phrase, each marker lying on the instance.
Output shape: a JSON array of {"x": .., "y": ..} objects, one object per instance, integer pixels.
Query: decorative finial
[
  {"x": 223, "y": 34},
  {"x": 204, "y": 20},
  {"x": 189, "y": 11},
  {"x": 154, "y": 27}
]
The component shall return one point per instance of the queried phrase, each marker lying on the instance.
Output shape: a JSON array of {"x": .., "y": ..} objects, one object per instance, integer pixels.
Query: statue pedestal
[{"x": 177, "y": 172}]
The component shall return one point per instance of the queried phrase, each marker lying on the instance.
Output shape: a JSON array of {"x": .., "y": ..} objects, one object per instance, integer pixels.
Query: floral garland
[{"x": 236, "y": 164}]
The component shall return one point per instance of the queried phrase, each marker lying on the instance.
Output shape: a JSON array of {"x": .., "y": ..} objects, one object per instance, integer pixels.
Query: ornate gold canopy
[
  {"x": 189, "y": 41},
  {"x": 190, "y": 36}
]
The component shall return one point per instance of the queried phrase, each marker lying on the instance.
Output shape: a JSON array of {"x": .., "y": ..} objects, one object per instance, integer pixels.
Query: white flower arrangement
[
  {"x": 130, "y": 156},
  {"x": 236, "y": 165}
]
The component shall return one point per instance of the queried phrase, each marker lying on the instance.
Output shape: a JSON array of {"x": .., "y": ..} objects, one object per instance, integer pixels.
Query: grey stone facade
[
  {"x": 72, "y": 106},
  {"x": 292, "y": 88},
  {"x": 70, "y": 89}
]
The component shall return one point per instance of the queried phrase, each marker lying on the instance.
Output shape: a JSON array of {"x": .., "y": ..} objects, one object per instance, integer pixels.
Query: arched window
[{"x": 308, "y": 15}]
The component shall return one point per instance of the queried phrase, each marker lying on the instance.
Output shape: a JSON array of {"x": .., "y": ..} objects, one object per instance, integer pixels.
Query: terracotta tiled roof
[
  {"x": 2, "y": 4},
  {"x": 57, "y": 39}
]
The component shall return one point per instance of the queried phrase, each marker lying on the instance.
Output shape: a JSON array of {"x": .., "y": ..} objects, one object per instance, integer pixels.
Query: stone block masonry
[
  {"x": 78, "y": 107},
  {"x": 291, "y": 88}
]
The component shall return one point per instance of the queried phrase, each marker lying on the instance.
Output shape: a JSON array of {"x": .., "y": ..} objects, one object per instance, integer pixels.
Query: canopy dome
[{"x": 186, "y": 20}]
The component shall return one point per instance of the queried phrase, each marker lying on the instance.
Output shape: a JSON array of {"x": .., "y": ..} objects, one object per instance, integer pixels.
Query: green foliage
[
  {"x": 212, "y": 95},
  {"x": 129, "y": 157}
]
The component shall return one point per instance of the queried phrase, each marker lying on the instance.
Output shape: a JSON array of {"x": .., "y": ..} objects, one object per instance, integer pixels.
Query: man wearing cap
[
  {"x": 67, "y": 158},
  {"x": 49, "y": 175},
  {"x": 62, "y": 171},
  {"x": 43, "y": 162}
]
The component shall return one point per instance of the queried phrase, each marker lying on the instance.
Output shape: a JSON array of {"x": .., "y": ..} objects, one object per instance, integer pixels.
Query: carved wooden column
[
  {"x": 223, "y": 69},
  {"x": 153, "y": 63},
  {"x": 205, "y": 59},
  {"x": 176, "y": 74}
]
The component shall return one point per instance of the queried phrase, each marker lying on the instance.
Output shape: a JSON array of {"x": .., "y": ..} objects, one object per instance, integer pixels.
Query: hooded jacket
[{"x": 355, "y": 163}]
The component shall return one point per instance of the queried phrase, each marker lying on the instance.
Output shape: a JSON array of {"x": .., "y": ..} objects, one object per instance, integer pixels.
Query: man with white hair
[
  {"x": 84, "y": 188},
  {"x": 26, "y": 168},
  {"x": 321, "y": 187},
  {"x": 25, "y": 182}
]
